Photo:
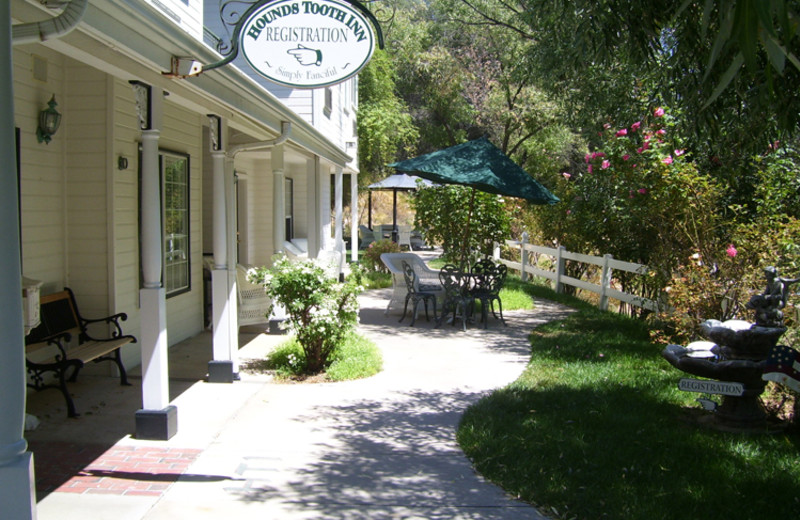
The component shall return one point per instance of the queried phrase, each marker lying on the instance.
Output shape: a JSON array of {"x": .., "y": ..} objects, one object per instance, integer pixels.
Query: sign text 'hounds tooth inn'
[{"x": 306, "y": 43}]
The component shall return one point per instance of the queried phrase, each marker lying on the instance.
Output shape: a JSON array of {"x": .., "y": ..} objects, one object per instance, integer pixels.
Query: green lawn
[{"x": 596, "y": 428}]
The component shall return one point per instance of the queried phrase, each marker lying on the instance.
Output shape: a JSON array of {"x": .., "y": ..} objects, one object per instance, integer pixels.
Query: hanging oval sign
[{"x": 306, "y": 43}]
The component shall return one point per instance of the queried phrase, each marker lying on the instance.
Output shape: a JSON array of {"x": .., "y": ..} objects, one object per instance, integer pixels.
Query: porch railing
[{"x": 530, "y": 265}]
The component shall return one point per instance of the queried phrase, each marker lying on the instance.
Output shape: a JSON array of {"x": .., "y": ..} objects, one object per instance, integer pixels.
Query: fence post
[
  {"x": 560, "y": 263},
  {"x": 605, "y": 282},
  {"x": 496, "y": 252},
  {"x": 524, "y": 251}
]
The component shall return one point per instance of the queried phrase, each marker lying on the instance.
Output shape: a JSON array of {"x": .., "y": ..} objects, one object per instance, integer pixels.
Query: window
[
  {"x": 289, "y": 207},
  {"x": 175, "y": 196},
  {"x": 328, "y": 109},
  {"x": 174, "y": 177}
]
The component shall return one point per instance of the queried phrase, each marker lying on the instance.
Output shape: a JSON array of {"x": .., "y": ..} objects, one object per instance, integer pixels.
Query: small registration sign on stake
[{"x": 706, "y": 386}]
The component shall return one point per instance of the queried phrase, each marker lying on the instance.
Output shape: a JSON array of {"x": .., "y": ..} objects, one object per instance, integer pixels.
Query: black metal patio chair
[{"x": 417, "y": 293}]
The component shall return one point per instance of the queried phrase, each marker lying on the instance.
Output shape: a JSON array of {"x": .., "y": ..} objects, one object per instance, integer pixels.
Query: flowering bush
[
  {"x": 640, "y": 198},
  {"x": 371, "y": 259},
  {"x": 321, "y": 310},
  {"x": 718, "y": 283}
]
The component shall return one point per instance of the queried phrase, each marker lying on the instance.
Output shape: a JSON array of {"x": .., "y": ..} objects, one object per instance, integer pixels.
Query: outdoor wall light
[
  {"x": 122, "y": 162},
  {"x": 49, "y": 119}
]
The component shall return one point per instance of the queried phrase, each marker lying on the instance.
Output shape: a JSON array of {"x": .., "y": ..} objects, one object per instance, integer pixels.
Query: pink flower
[
  {"x": 731, "y": 251},
  {"x": 605, "y": 165},
  {"x": 566, "y": 175},
  {"x": 587, "y": 158},
  {"x": 607, "y": 126},
  {"x": 661, "y": 132},
  {"x": 659, "y": 112},
  {"x": 635, "y": 126},
  {"x": 645, "y": 146},
  {"x": 626, "y": 157},
  {"x": 595, "y": 155},
  {"x": 667, "y": 160},
  {"x": 590, "y": 168},
  {"x": 569, "y": 212},
  {"x": 622, "y": 132},
  {"x": 678, "y": 153},
  {"x": 642, "y": 191}
]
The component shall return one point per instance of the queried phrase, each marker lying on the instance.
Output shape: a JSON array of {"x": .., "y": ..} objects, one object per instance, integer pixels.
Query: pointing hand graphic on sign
[{"x": 306, "y": 56}]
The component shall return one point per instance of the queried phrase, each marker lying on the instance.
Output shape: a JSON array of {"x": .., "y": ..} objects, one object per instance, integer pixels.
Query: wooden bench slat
[{"x": 92, "y": 350}]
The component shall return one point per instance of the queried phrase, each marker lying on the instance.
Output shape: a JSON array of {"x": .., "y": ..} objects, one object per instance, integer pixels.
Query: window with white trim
[{"x": 175, "y": 232}]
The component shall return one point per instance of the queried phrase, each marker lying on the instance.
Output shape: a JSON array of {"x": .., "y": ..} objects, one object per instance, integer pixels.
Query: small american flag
[{"x": 783, "y": 366}]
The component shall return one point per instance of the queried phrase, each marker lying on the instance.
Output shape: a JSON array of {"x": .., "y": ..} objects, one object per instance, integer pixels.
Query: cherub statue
[{"x": 768, "y": 304}]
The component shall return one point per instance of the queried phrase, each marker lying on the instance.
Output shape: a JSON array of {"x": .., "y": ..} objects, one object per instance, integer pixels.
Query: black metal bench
[{"x": 61, "y": 321}]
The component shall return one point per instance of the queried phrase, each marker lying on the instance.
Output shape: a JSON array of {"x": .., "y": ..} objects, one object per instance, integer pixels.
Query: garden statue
[
  {"x": 769, "y": 304},
  {"x": 734, "y": 360}
]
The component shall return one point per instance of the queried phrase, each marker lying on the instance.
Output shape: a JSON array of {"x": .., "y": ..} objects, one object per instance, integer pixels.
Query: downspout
[
  {"x": 286, "y": 131},
  {"x": 53, "y": 28}
]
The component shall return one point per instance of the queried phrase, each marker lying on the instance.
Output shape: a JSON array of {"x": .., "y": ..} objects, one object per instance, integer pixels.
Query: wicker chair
[
  {"x": 428, "y": 279},
  {"x": 253, "y": 303}
]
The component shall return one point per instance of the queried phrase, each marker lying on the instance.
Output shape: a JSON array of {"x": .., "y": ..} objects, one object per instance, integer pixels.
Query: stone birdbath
[{"x": 732, "y": 359}]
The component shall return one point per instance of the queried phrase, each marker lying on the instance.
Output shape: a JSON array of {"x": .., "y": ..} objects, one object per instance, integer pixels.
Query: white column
[
  {"x": 325, "y": 207},
  {"x": 312, "y": 194},
  {"x": 354, "y": 217},
  {"x": 338, "y": 194},
  {"x": 223, "y": 295},
  {"x": 278, "y": 199},
  {"x": 233, "y": 313},
  {"x": 157, "y": 420},
  {"x": 17, "y": 490},
  {"x": 155, "y": 369},
  {"x": 219, "y": 276}
]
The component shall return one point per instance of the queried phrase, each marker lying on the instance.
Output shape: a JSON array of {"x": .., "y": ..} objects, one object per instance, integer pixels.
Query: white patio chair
[
  {"x": 428, "y": 278},
  {"x": 404, "y": 237},
  {"x": 253, "y": 303}
]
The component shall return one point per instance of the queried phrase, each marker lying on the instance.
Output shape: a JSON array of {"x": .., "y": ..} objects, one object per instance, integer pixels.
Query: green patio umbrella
[{"x": 480, "y": 165}]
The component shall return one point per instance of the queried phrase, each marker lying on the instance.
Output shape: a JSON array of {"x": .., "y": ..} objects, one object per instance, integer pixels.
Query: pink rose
[
  {"x": 635, "y": 126},
  {"x": 605, "y": 165},
  {"x": 566, "y": 175},
  {"x": 626, "y": 157},
  {"x": 642, "y": 191},
  {"x": 569, "y": 212},
  {"x": 622, "y": 132},
  {"x": 590, "y": 168},
  {"x": 607, "y": 126},
  {"x": 667, "y": 160},
  {"x": 731, "y": 251},
  {"x": 659, "y": 112},
  {"x": 587, "y": 158},
  {"x": 678, "y": 153},
  {"x": 661, "y": 132}
]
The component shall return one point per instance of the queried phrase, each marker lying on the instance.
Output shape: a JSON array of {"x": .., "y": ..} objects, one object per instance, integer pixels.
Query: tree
[
  {"x": 385, "y": 127},
  {"x": 731, "y": 64},
  {"x": 444, "y": 211}
]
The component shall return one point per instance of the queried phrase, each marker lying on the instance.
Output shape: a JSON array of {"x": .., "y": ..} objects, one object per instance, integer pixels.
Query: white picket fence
[{"x": 530, "y": 266}]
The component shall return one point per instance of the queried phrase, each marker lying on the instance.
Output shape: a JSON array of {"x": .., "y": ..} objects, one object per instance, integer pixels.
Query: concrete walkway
[{"x": 378, "y": 448}]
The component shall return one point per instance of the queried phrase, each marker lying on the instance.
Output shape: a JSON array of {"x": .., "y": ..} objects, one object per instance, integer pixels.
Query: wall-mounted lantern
[{"x": 49, "y": 120}]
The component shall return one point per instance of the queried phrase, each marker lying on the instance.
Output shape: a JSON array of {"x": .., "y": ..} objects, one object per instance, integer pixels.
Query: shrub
[
  {"x": 321, "y": 310},
  {"x": 717, "y": 283},
  {"x": 372, "y": 256}
]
